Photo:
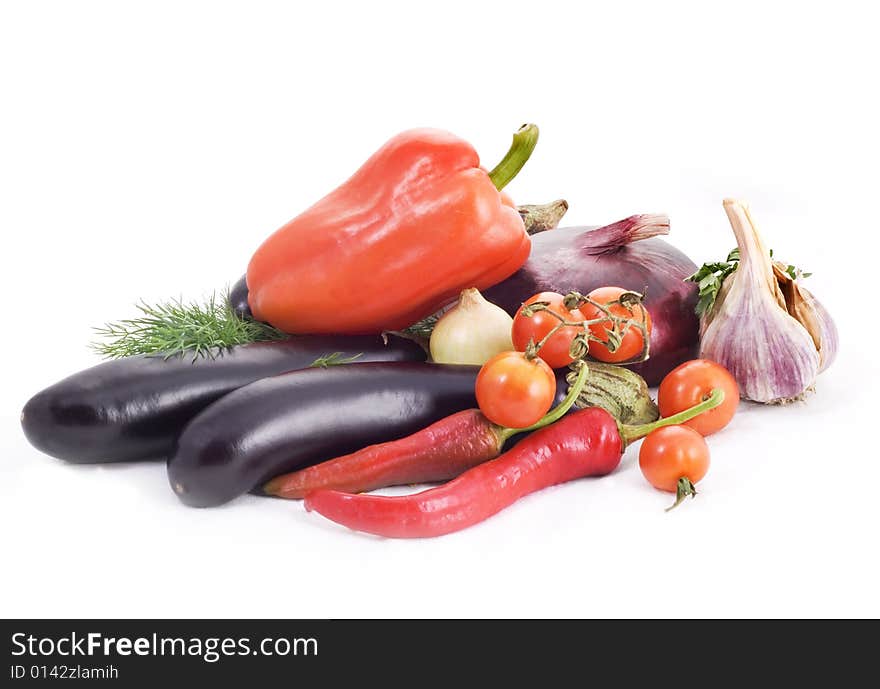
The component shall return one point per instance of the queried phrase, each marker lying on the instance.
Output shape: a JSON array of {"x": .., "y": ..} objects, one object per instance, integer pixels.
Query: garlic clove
[
  {"x": 829, "y": 337},
  {"x": 750, "y": 331},
  {"x": 806, "y": 309},
  {"x": 772, "y": 358}
]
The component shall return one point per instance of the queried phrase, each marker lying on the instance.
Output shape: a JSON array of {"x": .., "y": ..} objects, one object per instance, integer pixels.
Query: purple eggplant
[
  {"x": 287, "y": 422},
  {"x": 134, "y": 408},
  {"x": 238, "y": 298}
]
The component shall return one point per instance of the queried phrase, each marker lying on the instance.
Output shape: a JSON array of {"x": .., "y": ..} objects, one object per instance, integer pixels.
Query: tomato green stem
[
  {"x": 683, "y": 489},
  {"x": 631, "y": 433},
  {"x": 524, "y": 140},
  {"x": 560, "y": 410}
]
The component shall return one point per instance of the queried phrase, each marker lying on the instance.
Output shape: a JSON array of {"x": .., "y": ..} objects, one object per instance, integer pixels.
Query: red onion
[{"x": 625, "y": 254}]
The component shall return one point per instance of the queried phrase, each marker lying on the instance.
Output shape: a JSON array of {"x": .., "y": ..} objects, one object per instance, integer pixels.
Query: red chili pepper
[
  {"x": 416, "y": 224},
  {"x": 587, "y": 443},
  {"x": 439, "y": 452}
]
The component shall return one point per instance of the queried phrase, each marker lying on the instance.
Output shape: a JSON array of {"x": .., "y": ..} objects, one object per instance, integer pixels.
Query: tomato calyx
[{"x": 683, "y": 489}]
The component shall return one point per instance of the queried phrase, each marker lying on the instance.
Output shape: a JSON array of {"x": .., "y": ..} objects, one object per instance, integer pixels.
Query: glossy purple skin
[
  {"x": 238, "y": 298},
  {"x": 287, "y": 422},
  {"x": 133, "y": 408},
  {"x": 563, "y": 259}
]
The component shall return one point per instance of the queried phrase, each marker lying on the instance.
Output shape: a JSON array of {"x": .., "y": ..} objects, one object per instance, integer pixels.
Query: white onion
[{"x": 471, "y": 332}]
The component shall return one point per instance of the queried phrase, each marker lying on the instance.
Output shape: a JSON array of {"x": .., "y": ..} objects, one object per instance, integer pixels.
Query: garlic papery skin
[
  {"x": 471, "y": 332},
  {"x": 806, "y": 309},
  {"x": 830, "y": 341},
  {"x": 750, "y": 332}
]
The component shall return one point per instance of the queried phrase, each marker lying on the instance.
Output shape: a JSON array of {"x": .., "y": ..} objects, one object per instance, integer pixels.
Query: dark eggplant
[
  {"x": 134, "y": 408},
  {"x": 238, "y": 298},
  {"x": 297, "y": 419}
]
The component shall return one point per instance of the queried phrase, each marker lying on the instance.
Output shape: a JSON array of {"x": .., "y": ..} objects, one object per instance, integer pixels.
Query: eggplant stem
[{"x": 542, "y": 217}]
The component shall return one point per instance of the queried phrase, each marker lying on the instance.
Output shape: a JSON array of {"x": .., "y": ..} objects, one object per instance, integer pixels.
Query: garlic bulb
[
  {"x": 767, "y": 330},
  {"x": 471, "y": 332}
]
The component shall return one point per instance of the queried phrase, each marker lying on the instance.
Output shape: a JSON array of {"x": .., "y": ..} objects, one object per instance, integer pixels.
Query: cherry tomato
[
  {"x": 514, "y": 391},
  {"x": 674, "y": 458},
  {"x": 536, "y": 327},
  {"x": 691, "y": 383},
  {"x": 632, "y": 344}
]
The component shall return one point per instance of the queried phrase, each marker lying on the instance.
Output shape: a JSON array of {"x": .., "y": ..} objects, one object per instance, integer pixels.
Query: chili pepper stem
[
  {"x": 524, "y": 140},
  {"x": 683, "y": 489},
  {"x": 630, "y": 433},
  {"x": 504, "y": 434}
]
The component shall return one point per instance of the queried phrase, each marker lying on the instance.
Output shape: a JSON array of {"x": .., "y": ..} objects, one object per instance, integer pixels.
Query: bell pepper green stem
[
  {"x": 631, "y": 433},
  {"x": 560, "y": 410},
  {"x": 524, "y": 140}
]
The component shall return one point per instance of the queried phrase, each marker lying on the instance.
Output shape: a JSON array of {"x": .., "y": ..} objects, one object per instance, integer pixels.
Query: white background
[{"x": 147, "y": 148}]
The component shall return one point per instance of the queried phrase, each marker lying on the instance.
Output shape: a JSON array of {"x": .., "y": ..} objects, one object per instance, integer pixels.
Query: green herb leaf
[
  {"x": 795, "y": 273},
  {"x": 705, "y": 303},
  {"x": 711, "y": 276},
  {"x": 709, "y": 279},
  {"x": 423, "y": 328},
  {"x": 335, "y": 359},
  {"x": 176, "y": 327}
]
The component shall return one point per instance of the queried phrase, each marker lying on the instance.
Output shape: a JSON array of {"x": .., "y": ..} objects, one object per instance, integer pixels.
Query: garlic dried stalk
[{"x": 766, "y": 329}]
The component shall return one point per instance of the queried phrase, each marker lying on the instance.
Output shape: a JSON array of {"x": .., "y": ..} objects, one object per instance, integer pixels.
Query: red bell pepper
[{"x": 416, "y": 224}]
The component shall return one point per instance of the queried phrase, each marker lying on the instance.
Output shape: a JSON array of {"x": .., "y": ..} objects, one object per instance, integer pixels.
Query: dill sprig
[
  {"x": 175, "y": 327},
  {"x": 334, "y": 359}
]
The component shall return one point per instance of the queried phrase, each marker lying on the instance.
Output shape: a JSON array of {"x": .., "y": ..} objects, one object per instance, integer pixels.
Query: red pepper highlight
[
  {"x": 588, "y": 442},
  {"x": 416, "y": 224}
]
